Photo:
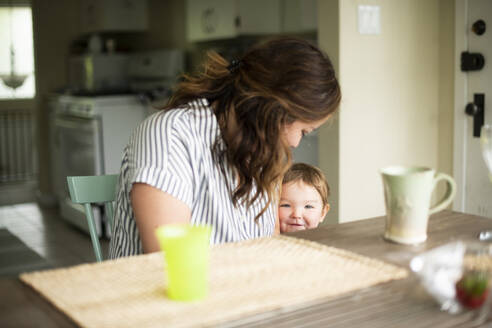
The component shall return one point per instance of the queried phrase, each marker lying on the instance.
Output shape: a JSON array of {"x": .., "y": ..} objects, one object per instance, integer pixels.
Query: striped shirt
[{"x": 172, "y": 151}]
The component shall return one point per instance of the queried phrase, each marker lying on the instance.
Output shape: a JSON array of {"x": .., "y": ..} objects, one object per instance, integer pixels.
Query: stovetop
[{"x": 89, "y": 106}]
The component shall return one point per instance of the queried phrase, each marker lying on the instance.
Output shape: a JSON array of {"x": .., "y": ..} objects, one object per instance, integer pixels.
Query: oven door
[
  {"x": 78, "y": 152},
  {"x": 79, "y": 146}
]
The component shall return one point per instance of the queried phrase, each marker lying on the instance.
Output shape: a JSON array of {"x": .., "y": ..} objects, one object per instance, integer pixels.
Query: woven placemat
[{"x": 246, "y": 278}]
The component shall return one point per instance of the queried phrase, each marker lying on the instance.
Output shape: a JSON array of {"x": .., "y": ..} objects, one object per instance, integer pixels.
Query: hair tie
[{"x": 234, "y": 65}]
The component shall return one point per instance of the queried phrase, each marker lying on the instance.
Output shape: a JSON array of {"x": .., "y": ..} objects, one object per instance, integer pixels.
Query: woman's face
[{"x": 294, "y": 132}]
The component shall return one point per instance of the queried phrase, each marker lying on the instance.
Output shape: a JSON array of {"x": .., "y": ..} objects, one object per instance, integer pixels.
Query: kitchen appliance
[
  {"x": 153, "y": 74},
  {"x": 98, "y": 73},
  {"x": 89, "y": 136},
  {"x": 89, "y": 132},
  {"x": 153, "y": 70}
]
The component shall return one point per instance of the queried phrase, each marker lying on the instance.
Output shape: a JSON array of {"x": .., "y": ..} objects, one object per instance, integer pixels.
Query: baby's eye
[
  {"x": 309, "y": 207},
  {"x": 284, "y": 205}
]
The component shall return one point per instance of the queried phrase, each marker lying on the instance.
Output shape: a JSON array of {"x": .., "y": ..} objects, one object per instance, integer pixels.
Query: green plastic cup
[{"x": 186, "y": 253}]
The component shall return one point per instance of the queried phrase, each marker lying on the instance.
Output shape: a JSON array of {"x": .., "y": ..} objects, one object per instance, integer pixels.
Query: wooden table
[{"x": 399, "y": 303}]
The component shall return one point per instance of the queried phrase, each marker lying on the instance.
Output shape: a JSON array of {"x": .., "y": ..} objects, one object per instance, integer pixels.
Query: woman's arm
[{"x": 152, "y": 208}]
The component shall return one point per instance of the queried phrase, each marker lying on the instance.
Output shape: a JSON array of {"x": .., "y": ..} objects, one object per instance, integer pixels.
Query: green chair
[{"x": 87, "y": 190}]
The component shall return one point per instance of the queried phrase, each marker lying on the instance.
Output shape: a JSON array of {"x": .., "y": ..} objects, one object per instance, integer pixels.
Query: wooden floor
[{"x": 43, "y": 231}]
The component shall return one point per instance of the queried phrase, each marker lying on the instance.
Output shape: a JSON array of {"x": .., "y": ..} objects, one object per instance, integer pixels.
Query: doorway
[{"x": 473, "y": 81}]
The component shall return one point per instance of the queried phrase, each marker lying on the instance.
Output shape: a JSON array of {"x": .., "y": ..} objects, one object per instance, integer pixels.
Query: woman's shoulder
[
  {"x": 193, "y": 122},
  {"x": 188, "y": 114}
]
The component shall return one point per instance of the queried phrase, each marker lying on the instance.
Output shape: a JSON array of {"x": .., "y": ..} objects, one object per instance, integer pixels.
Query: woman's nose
[{"x": 296, "y": 142}]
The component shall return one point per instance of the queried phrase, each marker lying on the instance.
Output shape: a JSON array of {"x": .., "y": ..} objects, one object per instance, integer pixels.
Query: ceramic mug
[{"x": 407, "y": 193}]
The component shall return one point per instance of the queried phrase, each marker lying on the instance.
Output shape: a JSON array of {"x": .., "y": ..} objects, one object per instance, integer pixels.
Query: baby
[{"x": 304, "y": 198}]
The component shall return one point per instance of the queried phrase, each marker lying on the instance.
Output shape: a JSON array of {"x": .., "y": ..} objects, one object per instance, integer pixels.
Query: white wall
[
  {"x": 328, "y": 134},
  {"x": 54, "y": 27},
  {"x": 446, "y": 88},
  {"x": 391, "y": 104}
]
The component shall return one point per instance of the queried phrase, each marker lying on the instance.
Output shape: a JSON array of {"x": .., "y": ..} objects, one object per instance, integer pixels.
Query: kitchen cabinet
[
  {"x": 114, "y": 15},
  {"x": 299, "y": 16},
  {"x": 222, "y": 19}
]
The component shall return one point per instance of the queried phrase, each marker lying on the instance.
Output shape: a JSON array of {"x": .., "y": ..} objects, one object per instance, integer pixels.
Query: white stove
[
  {"x": 89, "y": 136},
  {"x": 89, "y": 132}
]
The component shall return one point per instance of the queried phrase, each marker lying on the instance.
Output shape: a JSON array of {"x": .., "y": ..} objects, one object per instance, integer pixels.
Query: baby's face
[{"x": 300, "y": 207}]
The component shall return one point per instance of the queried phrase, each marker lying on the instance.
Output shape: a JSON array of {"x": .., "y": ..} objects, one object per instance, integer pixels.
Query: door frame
[{"x": 460, "y": 100}]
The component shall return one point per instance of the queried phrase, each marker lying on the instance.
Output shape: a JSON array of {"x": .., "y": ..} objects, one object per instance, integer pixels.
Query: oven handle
[{"x": 76, "y": 123}]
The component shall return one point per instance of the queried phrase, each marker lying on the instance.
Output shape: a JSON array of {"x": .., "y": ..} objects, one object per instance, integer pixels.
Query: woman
[{"x": 217, "y": 152}]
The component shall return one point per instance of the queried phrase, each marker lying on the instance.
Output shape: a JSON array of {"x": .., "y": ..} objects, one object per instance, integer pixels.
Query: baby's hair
[{"x": 310, "y": 175}]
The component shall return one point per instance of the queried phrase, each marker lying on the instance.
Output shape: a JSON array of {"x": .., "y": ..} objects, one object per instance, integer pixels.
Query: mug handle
[{"x": 448, "y": 197}]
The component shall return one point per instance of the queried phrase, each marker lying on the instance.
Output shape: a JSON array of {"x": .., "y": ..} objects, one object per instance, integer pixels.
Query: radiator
[{"x": 16, "y": 146}]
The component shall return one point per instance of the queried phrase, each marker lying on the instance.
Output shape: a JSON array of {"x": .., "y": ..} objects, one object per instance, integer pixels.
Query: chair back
[{"x": 88, "y": 190}]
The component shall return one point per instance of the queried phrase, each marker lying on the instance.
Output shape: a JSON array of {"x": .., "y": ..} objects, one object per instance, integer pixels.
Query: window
[{"x": 17, "y": 49}]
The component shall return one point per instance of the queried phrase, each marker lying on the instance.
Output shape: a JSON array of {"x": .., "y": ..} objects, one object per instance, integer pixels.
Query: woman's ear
[{"x": 323, "y": 213}]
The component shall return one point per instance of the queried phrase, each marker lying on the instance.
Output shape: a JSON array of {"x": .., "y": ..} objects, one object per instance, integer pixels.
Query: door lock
[
  {"x": 476, "y": 109},
  {"x": 471, "y": 61},
  {"x": 479, "y": 27}
]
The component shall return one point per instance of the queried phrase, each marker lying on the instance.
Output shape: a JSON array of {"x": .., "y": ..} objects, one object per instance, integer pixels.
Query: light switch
[{"x": 369, "y": 19}]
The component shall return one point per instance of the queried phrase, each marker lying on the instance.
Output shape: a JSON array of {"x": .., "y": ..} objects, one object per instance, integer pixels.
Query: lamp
[
  {"x": 486, "y": 147},
  {"x": 12, "y": 80}
]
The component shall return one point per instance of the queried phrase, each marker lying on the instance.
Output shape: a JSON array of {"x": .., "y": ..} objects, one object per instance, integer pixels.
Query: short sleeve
[{"x": 160, "y": 155}]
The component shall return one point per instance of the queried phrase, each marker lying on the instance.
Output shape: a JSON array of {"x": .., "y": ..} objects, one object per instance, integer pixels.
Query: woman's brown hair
[
  {"x": 311, "y": 176},
  {"x": 274, "y": 84}
]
